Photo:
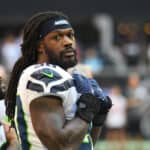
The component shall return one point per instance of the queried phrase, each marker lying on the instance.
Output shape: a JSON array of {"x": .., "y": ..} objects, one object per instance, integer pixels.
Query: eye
[
  {"x": 57, "y": 37},
  {"x": 70, "y": 35}
]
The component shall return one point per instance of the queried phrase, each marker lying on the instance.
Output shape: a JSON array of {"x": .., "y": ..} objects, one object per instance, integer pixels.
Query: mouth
[
  {"x": 68, "y": 58},
  {"x": 69, "y": 53}
]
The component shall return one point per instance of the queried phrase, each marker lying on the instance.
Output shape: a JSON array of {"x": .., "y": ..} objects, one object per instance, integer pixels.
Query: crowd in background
[{"x": 130, "y": 114}]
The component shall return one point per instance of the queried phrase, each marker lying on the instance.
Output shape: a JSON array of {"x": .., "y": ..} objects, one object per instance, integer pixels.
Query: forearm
[
  {"x": 67, "y": 137},
  {"x": 75, "y": 130},
  {"x": 52, "y": 130},
  {"x": 95, "y": 133}
]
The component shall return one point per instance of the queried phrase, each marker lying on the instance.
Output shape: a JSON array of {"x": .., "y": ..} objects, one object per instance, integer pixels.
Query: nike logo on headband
[{"x": 61, "y": 22}]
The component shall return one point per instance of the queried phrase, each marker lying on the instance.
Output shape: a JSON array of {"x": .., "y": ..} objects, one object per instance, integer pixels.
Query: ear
[{"x": 40, "y": 47}]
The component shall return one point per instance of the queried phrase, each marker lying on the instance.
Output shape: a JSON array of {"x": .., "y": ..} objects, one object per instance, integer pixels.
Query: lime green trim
[
  {"x": 16, "y": 123},
  {"x": 86, "y": 139},
  {"x": 17, "y": 94},
  {"x": 25, "y": 118},
  {"x": 6, "y": 119}
]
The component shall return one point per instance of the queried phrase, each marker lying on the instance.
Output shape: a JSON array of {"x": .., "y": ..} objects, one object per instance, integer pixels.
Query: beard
[{"x": 63, "y": 59}]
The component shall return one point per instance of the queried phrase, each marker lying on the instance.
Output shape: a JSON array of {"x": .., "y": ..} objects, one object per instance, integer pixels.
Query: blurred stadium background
[{"x": 113, "y": 40}]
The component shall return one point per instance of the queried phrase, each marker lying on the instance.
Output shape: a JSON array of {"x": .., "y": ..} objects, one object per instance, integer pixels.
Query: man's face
[{"x": 59, "y": 48}]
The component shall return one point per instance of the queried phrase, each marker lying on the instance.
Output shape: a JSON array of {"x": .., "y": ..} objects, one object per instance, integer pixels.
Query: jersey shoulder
[
  {"x": 40, "y": 76},
  {"x": 40, "y": 71}
]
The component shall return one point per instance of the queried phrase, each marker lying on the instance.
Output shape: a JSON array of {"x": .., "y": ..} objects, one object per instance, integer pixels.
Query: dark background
[{"x": 17, "y": 11}]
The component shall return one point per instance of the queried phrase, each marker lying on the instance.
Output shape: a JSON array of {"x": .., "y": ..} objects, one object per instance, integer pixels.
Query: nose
[{"x": 67, "y": 42}]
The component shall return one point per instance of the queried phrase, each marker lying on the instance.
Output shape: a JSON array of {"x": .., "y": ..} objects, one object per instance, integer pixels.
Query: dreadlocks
[{"x": 29, "y": 55}]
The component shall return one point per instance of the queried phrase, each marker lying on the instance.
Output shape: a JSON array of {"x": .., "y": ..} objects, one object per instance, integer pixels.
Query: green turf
[{"x": 130, "y": 145}]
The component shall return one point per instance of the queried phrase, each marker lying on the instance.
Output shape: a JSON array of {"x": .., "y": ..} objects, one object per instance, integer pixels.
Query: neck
[{"x": 41, "y": 59}]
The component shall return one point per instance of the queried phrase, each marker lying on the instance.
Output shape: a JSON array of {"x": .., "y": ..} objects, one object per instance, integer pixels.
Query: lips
[{"x": 69, "y": 54}]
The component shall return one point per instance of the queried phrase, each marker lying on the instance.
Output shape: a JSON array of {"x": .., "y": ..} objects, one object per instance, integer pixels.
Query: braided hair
[{"x": 29, "y": 55}]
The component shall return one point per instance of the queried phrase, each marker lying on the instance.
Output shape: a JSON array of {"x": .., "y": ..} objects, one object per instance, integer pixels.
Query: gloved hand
[
  {"x": 83, "y": 85},
  {"x": 101, "y": 116},
  {"x": 86, "y": 85},
  {"x": 87, "y": 105},
  {"x": 105, "y": 103}
]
